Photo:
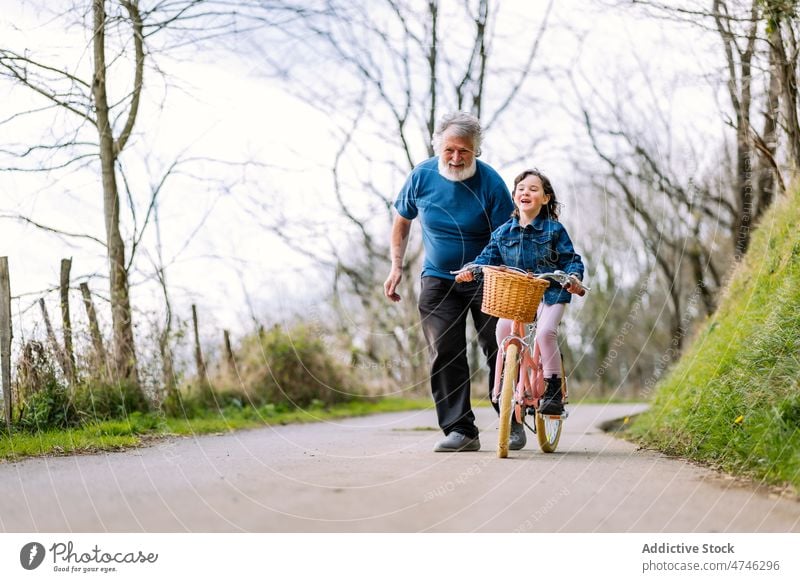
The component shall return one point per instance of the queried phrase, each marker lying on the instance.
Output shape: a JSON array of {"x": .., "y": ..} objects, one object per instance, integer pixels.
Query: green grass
[
  {"x": 120, "y": 434},
  {"x": 52, "y": 442},
  {"x": 732, "y": 401}
]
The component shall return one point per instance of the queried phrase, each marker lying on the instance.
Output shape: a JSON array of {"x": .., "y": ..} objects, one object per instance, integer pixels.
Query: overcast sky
[
  {"x": 219, "y": 110},
  {"x": 210, "y": 110}
]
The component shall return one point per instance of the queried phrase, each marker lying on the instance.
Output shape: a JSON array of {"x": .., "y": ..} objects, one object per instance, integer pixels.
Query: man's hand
[
  {"x": 391, "y": 284},
  {"x": 401, "y": 227}
]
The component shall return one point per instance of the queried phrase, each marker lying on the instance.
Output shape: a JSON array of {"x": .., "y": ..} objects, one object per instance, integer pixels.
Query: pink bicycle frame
[{"x": 530, "y": 382}]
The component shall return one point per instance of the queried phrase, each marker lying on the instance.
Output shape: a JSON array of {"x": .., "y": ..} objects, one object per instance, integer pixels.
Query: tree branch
[
  {"x": 8, "y": 60},
  {"x": 138, "y": 37},
  {"x": 25, "y": 219}
]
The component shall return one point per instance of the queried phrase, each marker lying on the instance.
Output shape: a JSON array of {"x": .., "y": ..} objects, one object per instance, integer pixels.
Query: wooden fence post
[
  {"x": 94, "y": 330},
  {"x": 229, "y": 353},
  {"x": 69, "y": 353},
  {"x": 51, "y": 338},
  {"x": 198, "y": 354},
  {"x": 5, "y": 338}
]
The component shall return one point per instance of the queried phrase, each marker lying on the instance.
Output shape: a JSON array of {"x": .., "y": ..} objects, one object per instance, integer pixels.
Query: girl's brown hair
[{"x": 549, "y": 210}]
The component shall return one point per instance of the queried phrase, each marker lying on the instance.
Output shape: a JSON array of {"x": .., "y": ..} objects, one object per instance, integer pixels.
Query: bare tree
[
  {"x": 760, "y": 49},
  {"x": 739, "y": 50},
  {"x": 384, "y": 72},
  {"x": 103, "y": 102},
  {"x": 689, "y": 200},
  {"x": 783, "y": 33}
]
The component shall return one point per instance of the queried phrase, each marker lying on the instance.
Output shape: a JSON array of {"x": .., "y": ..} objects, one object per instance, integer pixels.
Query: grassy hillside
[{"x": 733, "y": 400}]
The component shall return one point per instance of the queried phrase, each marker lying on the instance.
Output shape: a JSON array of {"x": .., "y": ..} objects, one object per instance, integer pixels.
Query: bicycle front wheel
[
  {"x": 506, "y": 399},
  {"x": 548, "y": 431},
  {"x": 548, "y": 428}
]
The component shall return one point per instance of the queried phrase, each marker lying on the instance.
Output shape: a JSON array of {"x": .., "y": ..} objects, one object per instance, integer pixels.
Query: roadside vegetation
[
  {"x": 139, "y": 428},
  {"x": 733, "y": 400},
  {"x": 279, "y": 377}
]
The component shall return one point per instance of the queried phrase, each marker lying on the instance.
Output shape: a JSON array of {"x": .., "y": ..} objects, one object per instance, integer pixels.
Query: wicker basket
[{"x": 511, "y": 295}]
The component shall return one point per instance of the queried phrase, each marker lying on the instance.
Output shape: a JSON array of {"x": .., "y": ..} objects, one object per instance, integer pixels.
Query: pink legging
[{"x": 548, "y": 317}]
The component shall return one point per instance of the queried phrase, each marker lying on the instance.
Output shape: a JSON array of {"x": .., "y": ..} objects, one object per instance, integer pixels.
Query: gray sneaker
[
  {"x": 517, "y": 438},
  {"x": 456, "y": 442}
]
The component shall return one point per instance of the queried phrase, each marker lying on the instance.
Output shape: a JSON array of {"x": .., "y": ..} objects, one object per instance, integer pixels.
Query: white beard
[{"x": 459, "y": 175}]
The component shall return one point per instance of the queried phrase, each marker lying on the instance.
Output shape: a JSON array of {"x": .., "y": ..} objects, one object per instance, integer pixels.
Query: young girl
[{"x": 534, "y": 240}]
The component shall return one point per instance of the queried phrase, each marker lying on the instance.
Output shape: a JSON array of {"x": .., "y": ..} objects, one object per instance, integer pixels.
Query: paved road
[{"x": 379, "y": 474}]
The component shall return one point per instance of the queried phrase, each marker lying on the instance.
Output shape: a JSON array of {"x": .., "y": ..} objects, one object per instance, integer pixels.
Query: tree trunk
[
  {"x": 740, "y": 85},
  {"x": 124, "y": 354},
  {"x": 744, "y": 158},
  {"x": 767, "y": 178},
  {"x": 744, "y": 189},
  {"x": 433, "y": 10},
  {"x": 788, "y": 67}
]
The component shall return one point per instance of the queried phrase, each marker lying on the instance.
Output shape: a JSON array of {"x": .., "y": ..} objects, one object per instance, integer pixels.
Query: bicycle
[{"x": 513, "y": 294}]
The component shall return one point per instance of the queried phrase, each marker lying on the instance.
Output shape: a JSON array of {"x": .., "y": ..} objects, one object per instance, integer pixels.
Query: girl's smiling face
[{"x": 529, "y": 196}]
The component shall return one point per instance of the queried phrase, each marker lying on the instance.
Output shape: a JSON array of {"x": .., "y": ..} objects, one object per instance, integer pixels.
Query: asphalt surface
[{"x": 379, "y": 474}]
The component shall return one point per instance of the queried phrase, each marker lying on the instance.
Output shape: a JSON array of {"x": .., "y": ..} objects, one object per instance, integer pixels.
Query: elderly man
[{"x": 459, "y": 201}]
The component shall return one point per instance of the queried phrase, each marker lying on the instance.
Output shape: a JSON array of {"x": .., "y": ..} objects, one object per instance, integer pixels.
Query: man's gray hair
[{"x": 463, "y": 125}]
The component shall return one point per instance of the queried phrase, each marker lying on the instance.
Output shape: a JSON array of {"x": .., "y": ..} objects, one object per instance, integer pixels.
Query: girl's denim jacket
[{"x": 541, "y": 247}]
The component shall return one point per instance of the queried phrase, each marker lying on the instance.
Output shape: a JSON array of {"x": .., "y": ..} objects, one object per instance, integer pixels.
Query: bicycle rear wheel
[{"x": 506, "y": 399}]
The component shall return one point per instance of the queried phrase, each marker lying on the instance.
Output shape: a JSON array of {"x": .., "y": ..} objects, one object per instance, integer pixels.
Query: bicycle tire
[
  {"x": 548, "y": 427},
  {"x": 506, "y": 399},
  {"x": 548, "y": 431}
]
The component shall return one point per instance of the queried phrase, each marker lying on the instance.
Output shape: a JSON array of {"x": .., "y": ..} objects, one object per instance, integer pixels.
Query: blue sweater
[{"x": 457, "y": 218}]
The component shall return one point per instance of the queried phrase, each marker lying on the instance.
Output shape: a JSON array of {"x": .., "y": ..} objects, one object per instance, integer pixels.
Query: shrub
[
  {"x": 100, "y": 400},
  {"x": 48, "y": 408},
  {"x": 180, "y": 404},
  {"x": 196, "y": 399},
  {"x": 294, "y": 367},
  {"x": 35, "y": 370}
]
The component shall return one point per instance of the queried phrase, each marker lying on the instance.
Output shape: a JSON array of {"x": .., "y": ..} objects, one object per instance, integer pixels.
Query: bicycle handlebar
[
  {"x": 558, "y": 276},
  {"x": 562, "y": 278}
]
